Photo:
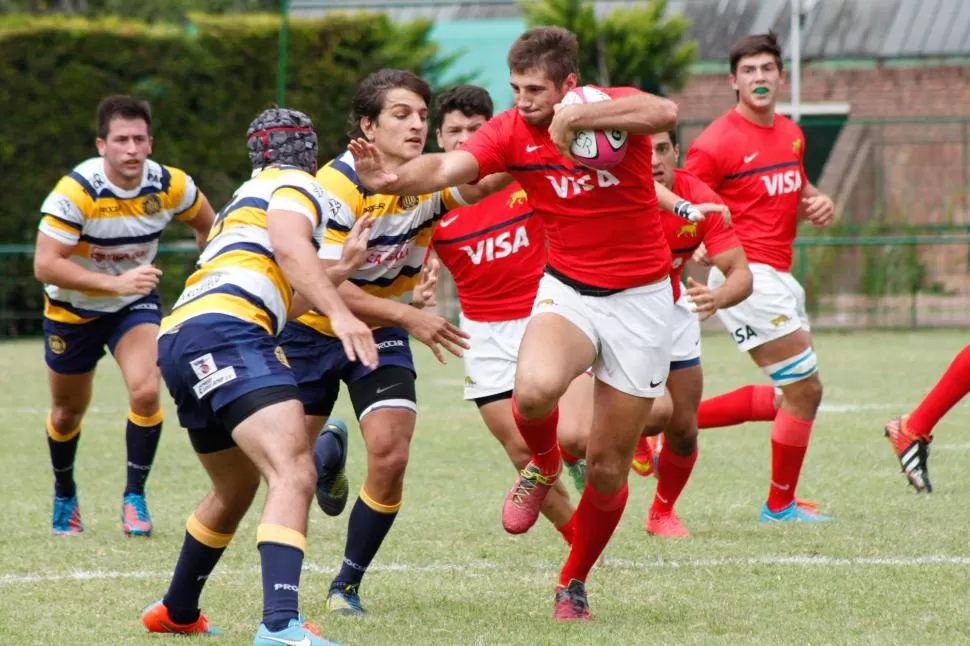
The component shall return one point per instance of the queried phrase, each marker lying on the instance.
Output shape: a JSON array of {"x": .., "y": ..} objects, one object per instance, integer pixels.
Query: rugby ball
[{"x": 595, "y": 148}]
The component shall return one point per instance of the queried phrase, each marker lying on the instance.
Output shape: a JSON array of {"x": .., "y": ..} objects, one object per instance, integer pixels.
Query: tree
[
  {"x": 636, "y": 45},
  {"x": 149, "y": 10}
]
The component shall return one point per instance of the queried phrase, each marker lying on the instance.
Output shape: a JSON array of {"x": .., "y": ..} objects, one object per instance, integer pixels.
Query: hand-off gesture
[
  {"x": 357, "y": 339},
  {"x": 425, "y": 294},
  {"x": 433, "y": 330},
  {"x": 369, "y": 164},
  {"x": 140, "y": 280},
  {"x": 703, "y": 299}
]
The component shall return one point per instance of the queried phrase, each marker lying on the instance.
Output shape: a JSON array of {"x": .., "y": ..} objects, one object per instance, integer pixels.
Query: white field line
[
  {"x": 616, "y": 564},
  {"x": 853, "y": 408}
]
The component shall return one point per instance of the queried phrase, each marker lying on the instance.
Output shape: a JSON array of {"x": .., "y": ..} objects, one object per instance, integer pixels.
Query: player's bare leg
[
  {"x": 676, "y": 461},
  {"x": 208, "y": 532},
  {"x": 617, "y": 423},
  {"x": 552, "y": 354},
  {"x": 790, "y": 362},
  {"x": 137, "y": 356},
  {"x": 498, "y": 417},
  {"x": 70, "y": 398},
  {"x": 575, "y": 419}
]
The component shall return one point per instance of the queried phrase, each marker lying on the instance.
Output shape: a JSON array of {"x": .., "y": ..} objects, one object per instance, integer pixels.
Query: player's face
[
  {"x": 536, "y": 95},
  {"x": 456, "y": 128},
  {"x": 125, "y": 150},
  {"x": 757, "y": 81},
  {"x": 665, "y": 156},
  {"x": 401, "y": 128}
]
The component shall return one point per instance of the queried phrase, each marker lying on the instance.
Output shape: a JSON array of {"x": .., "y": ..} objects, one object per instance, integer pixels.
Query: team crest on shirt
[
  {"x": 687, "y": 230},
  {"x": 408, "y": 202},
  {"x": 152, "y": 204},
  {"x": 56, "y": 344},
  {"x": 517, "y": 198},
  {"x": 281, "y": 356},
  {"x": 796, "y": 146}
]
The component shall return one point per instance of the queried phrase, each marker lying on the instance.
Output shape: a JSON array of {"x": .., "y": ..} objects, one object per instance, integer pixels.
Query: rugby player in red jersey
[
  {"x": 753, "y": 158},
  {"x": 605, "y": 299},
  {"x": 693, "y": 305},
  {"x": 496, "y": 251}
]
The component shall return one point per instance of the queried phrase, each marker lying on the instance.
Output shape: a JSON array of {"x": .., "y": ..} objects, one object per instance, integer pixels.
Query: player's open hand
[
  {"x": 369, "y": 164},
  {"x": 560, "y": 130},
  {"x": 701, "y": 256},
  {"x": 819, "y": 210},
  {"x": 433, "y": 330},
  {"x": 138, "y": 281},
  {"x": 357, "y": 338},
  {"x": 722, "y": 209},
  {"x": 354, "y": 252},
  {"x": 705, "y": 304},
  {"x": 425, "y": 292}
]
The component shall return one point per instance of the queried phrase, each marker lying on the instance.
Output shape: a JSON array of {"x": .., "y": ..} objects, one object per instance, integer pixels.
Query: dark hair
[
  {"x": 372, "y": 91},
  {"x": 470, "y": 100},
  {"x": 754, "y": 45},
  {"x": 124, "y": 107},
  {"x": 552, "y": 49}
]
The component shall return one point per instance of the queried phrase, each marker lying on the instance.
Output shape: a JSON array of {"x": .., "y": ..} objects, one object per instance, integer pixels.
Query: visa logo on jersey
[
  {"x": 500, "y": 246},
  {"x": 567, "y": 186},
  {"x": 789, "y": 181}
]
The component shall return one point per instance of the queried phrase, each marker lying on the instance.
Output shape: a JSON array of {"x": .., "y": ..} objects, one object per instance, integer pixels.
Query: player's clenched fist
[{"x": 140, "y": 281}]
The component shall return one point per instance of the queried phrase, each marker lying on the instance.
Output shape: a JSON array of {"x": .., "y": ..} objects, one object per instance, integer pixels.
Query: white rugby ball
[{"x": 595, "y": 148}]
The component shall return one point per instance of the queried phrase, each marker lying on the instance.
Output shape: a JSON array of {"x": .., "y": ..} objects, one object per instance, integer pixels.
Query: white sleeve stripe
[
  {"x": 283, "y": 204},
  {"x": 61, "y": 236},
  {"x": 455, "y": 193}
]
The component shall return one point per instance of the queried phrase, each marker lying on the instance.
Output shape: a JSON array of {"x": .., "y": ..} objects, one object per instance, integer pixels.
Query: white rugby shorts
[{"x": 490, "y": 362}]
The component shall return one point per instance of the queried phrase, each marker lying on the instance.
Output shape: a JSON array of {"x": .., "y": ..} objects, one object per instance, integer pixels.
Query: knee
[
  {"x": 607, "y": 472},
  {"x": 681, "y": 434},
  {"x": 805, "y": 395},
  {"x": 143, "y": 397},
  {"x": 536, "y": 394},
  {"x": 389, "y": 460},
  {"x": 65, "y": 418},
  {"x": 298, "y": 478}
]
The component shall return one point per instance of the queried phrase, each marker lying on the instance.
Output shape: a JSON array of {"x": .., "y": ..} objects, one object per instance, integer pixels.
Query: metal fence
[{"x": 899, "y": 255}]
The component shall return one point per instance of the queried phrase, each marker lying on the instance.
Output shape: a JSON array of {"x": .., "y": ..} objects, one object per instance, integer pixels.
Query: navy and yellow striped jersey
[
  {"x": 111, "y": 229},
  {"x": 399, "y": 238},
  {"x": 237, "y": 274}
]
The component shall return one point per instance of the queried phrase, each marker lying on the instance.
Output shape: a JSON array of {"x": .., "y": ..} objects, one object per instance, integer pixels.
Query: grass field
[{"x": 892, "y": 569}]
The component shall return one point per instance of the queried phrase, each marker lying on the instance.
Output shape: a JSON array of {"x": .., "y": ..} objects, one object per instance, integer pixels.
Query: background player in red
[
  {"x": 605, "y": 299},
  {"x": 753, "y": 158},
  {"x": 495, "y": 251},
  {"x": 692, "y": 305}
]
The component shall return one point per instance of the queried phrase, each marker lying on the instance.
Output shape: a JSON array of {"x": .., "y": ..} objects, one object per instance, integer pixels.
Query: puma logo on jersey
[
  {"x": 687, "y": 231},
  {"x": 789, "y": 181},
  {"x": 517, "y": 198},
  {"x": 500, "y": 246},
  {"x": 567, "y": 186}
]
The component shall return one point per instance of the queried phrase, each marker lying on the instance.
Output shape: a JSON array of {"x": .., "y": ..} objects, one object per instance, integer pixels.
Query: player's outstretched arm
[
  {"x": 638, "y": 113},
  {"x": 52, "y": 265},
  {"x": 670, "y": 201},
  {"x": 290, "y": 234},
  {"x": 425, "y": 174},
  {"x": 472, "y": 193}
]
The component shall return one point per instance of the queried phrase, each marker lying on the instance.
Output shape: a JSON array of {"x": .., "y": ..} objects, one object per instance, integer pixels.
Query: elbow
[{"x": 668, "y": 114}]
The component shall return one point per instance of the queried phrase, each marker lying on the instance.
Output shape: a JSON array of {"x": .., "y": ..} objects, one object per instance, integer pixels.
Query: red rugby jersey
[
  {"x": 603, "y": 227},
  {"x": 684, "y": 237},
  {"x": 758, "y": 171},
  {"x": 495, "y": 251}
]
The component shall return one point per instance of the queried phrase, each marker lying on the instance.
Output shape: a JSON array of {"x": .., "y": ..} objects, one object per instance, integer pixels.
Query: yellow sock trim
[
  {"x": 57, "y": 437},
  {"x": 282, "y": 535},
  {"x": 379, "y": 507},
  {"x": 204, "y": 535},
  {"x": 151, "y": 420}
]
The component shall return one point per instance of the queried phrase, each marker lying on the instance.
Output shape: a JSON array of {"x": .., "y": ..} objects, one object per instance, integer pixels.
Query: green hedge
[{"x": 205, "y": 82}]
